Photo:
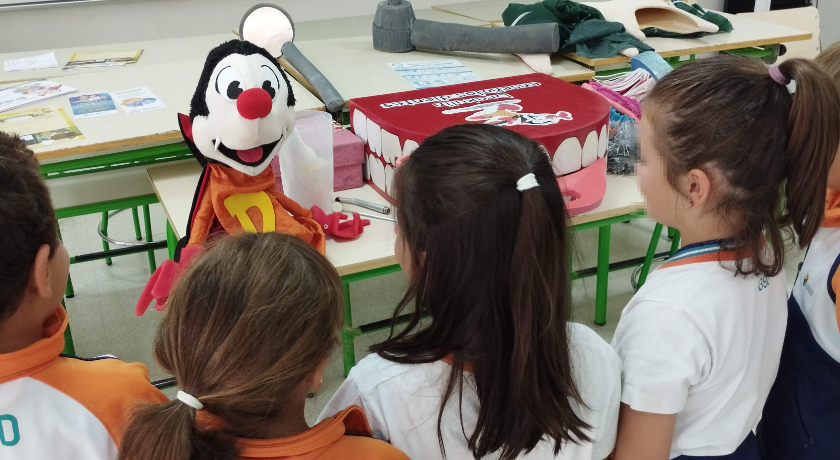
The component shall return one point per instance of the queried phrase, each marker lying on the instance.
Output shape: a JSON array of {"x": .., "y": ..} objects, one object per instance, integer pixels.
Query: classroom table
[
  {"x": 747, "y": 33},
  {"x": 155, "y": 52},
  {"x": 372, "y": 253},
  {"x": 357, "y": 70}
]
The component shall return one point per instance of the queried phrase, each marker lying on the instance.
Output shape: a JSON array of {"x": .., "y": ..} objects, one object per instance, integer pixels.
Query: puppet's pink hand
[{"x": 162, "y": 280}]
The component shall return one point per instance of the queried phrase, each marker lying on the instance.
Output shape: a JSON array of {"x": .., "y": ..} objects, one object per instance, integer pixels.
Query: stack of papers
[
  {"x": 43, "y": 61},
  {"x": 85, "y": 60}
]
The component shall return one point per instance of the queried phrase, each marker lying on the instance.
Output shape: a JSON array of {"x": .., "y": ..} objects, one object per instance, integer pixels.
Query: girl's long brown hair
[
  {"x": 247, "y": 323},
  {"x": 489, "y": 268},
  {"x": 757, "y": 142}
]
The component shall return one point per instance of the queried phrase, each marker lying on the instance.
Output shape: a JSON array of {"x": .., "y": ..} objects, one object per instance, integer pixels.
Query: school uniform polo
[
  {"x": 801, "y": 420},
  {"x": 65, "y": 408},
  {"x": 700, "y": 342},
  {"x": 402, "y": 402},
  {"x": 344, "y": 436}
]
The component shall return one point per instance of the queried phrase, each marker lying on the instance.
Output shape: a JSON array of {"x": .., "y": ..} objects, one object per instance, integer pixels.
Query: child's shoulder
[
  {"x": 374, "y": 371},
  {"x": 351, "y": 447},
  {"x": 107, "y": 387}
]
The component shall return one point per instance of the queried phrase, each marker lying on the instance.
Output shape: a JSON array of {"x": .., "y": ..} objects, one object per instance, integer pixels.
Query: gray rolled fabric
[
  {"x": 392, "y": 27},
  {"x": 326, "y": 91},
  {"x": 525, "y": 39}
]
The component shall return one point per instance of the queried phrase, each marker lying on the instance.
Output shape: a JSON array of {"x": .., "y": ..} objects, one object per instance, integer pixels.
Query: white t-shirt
[
  {"x": 816, "y": 284},
  {"x": 402, "y": 403},
  {"x": 700, "y": 342}
]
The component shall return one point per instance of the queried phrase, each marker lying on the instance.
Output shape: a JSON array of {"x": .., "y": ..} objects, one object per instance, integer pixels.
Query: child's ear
[
  {"x": 699, "y": 187},
  {"x": 39, "y": 276}
]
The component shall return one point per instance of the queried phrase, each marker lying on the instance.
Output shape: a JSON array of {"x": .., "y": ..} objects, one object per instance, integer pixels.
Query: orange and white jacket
[{"x": 54, "y": 407}]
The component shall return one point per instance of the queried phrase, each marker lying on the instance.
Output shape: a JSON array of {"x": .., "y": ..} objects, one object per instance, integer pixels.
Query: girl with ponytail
[
  {"x": 496, "y": 370},
  {"x": 248, "y": 331},
  {"x": 733, "y": 153},
  {"x": 801, "y": 419}
]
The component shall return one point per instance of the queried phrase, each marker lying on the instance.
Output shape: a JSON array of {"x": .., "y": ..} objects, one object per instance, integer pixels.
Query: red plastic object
[{"x": 333, "y": 225}]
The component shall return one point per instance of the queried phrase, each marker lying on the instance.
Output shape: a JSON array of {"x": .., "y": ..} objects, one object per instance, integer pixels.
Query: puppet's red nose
[{"x": 254, "y": 103}]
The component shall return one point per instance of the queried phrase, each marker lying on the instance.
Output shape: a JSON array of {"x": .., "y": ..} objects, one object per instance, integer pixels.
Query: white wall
[
  {"x": 829, "y": 21},
  {"x": 117, "y": 21}
]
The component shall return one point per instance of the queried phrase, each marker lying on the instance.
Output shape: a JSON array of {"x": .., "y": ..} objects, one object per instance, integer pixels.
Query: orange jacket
[{"x": 65, "y": 408}]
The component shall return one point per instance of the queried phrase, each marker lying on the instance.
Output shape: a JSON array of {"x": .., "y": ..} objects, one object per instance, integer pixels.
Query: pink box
[{"x": 348, "y": 158}]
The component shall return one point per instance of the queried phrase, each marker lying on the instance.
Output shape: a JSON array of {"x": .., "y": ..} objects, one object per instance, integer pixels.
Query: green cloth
[
  {"x": 597, "y": 39},
  {"x": 566, "y": 13},
  {"x": 723, "y": 24}
]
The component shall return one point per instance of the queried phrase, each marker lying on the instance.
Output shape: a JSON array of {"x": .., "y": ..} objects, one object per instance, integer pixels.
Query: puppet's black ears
[{"x": 267, "y": 26}]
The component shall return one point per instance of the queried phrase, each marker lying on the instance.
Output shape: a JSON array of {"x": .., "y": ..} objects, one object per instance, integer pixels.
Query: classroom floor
[{"x": 102, "y": 312}]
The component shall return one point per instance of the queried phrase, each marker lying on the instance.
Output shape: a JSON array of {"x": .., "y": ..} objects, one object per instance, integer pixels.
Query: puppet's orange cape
[{"x": 239, "y": 202}]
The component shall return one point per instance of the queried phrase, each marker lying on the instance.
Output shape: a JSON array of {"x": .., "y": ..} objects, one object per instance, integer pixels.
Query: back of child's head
[
  {"x": 489, "y": 267},
  {"x": 246, "y": 325},
  {"x": 766, "y": 151},
  {"x": 829, "y": 60},
  {"x": 27, "y": 220}
]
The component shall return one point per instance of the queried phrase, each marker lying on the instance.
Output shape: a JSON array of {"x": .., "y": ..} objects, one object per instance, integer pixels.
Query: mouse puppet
[{"x": 241, "y": 116}]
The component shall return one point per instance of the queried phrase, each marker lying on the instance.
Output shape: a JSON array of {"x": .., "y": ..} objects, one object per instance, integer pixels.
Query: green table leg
[
  {"x": 136, "y": 218},
  {"x": 105, "y": 245},
  {"x": 348, "y": 333},
  {"x": 602, "y": 283},
  {"x": 69, "y": 348},
  {"x": 675, "y": 244},
  {"x": 657, "y": 233},
  {"x": 147, "y": 217},
  {"x": 171, "y": 240}
]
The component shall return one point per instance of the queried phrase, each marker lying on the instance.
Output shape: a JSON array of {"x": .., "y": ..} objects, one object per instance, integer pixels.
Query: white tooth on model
[
  {"x": 567, "y": 157},
  {"x": 377, "y": 173},
  {"x": 374, "y": 134},
  {"x": 217, "y": 143},
  {"x": 389, "y": 179},
  {"x": 603, "y": 139},
  {"x": 590, "y": 150},
  {"x": 409, "y": 146},
  {"x": 283, "y": 132},
  {"x": 390, "y": 147},
  {"x": 367, "y": 165},
  {"x": 360, "y": 125}
]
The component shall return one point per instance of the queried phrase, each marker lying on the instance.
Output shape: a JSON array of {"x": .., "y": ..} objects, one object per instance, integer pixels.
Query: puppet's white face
[{"x": 249, "y": 120}]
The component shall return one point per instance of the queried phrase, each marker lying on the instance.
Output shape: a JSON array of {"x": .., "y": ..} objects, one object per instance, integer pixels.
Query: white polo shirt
[
  {"x": 815, "y": 290},
  {"x": 402, "y": 403},
  {"x": 703, "y": 343}
]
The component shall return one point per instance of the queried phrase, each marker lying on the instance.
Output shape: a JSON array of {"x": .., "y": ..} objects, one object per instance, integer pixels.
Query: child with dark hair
[
  {"x": 732, "y": 152},
  {"x": 248, "y": 331},
  {"x": 51, "y": 406},
  {"x": 801, "y": 420},
  {"x": 496, "y": 371}
]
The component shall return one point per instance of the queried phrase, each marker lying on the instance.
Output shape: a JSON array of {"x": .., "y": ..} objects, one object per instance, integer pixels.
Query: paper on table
[
  {"x": 92, "y": 105},
  {"x": 29, "y": 92},
  {"x": 137, "y": 100},
  {"x": 430, "y": 74},
  {"x": 43, "y": 61},
  {"x": 86, "y": 59},
  {"x": 40, "y": 127}
]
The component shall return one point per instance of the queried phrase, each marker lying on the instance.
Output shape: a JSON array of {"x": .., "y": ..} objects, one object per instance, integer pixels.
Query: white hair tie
[
  {"x": 527, "y": 181},
  {"x": 189, "y": 400}
]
